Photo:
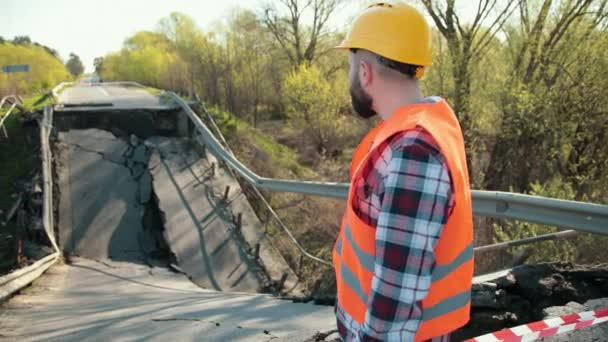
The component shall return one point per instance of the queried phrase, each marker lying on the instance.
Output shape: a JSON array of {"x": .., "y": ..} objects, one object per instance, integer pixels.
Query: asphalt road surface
[{"x": 118, "y": 96}]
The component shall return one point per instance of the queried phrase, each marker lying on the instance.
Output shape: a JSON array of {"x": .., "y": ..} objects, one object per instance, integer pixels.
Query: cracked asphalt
[{"x": 118, "y": 301}]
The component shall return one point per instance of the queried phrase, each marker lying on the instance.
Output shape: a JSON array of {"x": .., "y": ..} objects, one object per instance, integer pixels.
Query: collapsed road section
[
  {"x": 159, "y": 241},
  {"x": 133, "y": 187}
]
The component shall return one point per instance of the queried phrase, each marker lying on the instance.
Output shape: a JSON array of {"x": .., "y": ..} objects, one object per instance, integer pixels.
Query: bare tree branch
[{"x": 302, "y": 42}]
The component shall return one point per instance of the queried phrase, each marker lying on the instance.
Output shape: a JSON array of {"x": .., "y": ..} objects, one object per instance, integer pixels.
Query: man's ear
[{"x": 365, "y": 73}]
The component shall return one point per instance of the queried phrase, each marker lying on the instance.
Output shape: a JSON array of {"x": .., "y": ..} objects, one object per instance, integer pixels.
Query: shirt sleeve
[{"x": 415, "y": 205}]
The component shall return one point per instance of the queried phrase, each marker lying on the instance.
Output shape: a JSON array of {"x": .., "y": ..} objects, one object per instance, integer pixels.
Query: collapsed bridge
[{"x": 160, "y": 241}]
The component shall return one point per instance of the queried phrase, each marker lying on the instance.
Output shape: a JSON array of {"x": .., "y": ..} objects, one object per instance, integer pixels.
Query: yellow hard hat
[{"x": 396, "y": 31}]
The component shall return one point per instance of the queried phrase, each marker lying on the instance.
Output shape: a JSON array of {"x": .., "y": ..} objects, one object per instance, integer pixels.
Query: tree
[
  {"x": 187, "y": 40},
  {"x": 313, "y": 102},
  {"x": 250, "y": 45},
  {"x": 298, "y": 42},
  {"x": 98, "y": 63},
  {"x": 51, "y": 51},
  {"x": 553, "y": 114},
  {"x": 45, "y": 72},
  {"x": 467, "y": 43},
  {"x": 22, "y": 40},
  {"x": 74, "y": 65}
]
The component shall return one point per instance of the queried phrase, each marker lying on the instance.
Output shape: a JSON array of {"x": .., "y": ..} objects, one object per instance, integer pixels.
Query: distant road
[{"x": 116, "y": 96}]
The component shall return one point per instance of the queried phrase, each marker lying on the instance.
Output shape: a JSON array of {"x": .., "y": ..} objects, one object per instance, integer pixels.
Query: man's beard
[{"x": 362, "y": 102}]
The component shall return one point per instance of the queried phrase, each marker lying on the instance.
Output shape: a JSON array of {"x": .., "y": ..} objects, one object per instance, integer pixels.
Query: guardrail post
[
  {"x": 282, "y": 282},
  {"x": 301, "y": 264},
  {"x": 256, "y": 252},
  {"x": 239, "y": 220},
  {"x": 226, "y": 193}
]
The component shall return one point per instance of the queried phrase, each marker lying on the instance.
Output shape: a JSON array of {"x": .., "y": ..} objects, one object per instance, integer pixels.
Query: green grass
[
  {"x": 153, "y": 91},
  {"x": 37, "y": 102},
  {"x": 280, "y": 155}
]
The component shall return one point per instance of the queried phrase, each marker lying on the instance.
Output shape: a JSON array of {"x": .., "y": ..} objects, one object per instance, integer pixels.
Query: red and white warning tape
[{"x": 548, "y": 327}]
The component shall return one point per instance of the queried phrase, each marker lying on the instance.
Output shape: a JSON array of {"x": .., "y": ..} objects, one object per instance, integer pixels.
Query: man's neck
[{"x": 391, "y": 101}]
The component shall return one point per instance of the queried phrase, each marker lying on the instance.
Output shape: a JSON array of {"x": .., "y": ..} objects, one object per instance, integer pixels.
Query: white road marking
[{"x": 103, "y": 91}]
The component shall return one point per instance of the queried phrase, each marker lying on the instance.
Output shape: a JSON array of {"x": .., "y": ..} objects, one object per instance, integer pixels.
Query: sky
[{"x": 93, "y": 28}]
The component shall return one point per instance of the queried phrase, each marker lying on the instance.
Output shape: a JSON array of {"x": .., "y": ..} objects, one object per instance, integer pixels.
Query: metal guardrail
[
  {"x": 16, "y": 104},
  {"x": 7, "y": 98},
  {"x": 55, "y": 91},
  {"x": 46, "y": 127},
  {"x": 585, "y": 217}
]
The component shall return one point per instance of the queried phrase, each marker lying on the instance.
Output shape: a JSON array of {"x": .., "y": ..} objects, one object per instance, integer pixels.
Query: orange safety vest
[{"x": 447, "y": 305}]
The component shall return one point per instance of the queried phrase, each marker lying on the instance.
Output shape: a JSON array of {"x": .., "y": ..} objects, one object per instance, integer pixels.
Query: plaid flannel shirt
[{"x": 406, "y": 193}]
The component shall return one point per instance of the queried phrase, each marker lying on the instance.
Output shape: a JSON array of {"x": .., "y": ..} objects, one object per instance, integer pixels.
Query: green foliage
[
  {"x": 74, "y": 65},
  {"x": 16, "y": 158},
  {"x": 37, "y": 102},
  {"x": 98, "y": 63},
  {"x": 45, "y": 69},
  {"x": 554, "y": 121},
  {"x": 226, "y": 122},
  {"x": 235, "y": 130},
  {"x": 312, "y": 101},
  {"x": 146, "y": 58}
]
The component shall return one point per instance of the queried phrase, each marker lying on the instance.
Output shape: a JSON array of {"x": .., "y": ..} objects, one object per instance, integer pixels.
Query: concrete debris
[
  {"x": 485, "y": 299},
  {"x": 595, "y": 304},
  {"x": 558, "y": 311},
  {"x": 484, "y": 287},
  {"x": 506, "y": 281},
  {"x": 597, "y": 333},
  {"x": 530, "y": 293}
]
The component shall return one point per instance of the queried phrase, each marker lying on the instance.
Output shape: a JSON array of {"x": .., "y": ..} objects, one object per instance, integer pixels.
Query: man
[{"x": 404, "y": 256}]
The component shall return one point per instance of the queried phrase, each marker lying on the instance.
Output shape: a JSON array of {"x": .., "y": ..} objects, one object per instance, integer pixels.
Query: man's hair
[{"x": 404, "y": 68}]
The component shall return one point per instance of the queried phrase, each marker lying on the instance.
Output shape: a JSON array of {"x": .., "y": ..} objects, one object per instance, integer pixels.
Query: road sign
[{"x": 16, "y": 68}]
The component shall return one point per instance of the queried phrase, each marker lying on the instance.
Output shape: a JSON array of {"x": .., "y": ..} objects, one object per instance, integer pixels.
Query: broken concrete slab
[
  {"x": 252, "y": 230},
  {"x": 198, "y": 226},
  {"x": 98, "y": 141},
  {"x": 569, "y": 308},
  {"x": 597, "y": 333},
  {"x": 100, "y": 214},
  {"x": 201, "y": 225},
  {"x": 145, "y": 187},
  {"x": 140, "y": 155},
  {"x": 595, "y": 304}
]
